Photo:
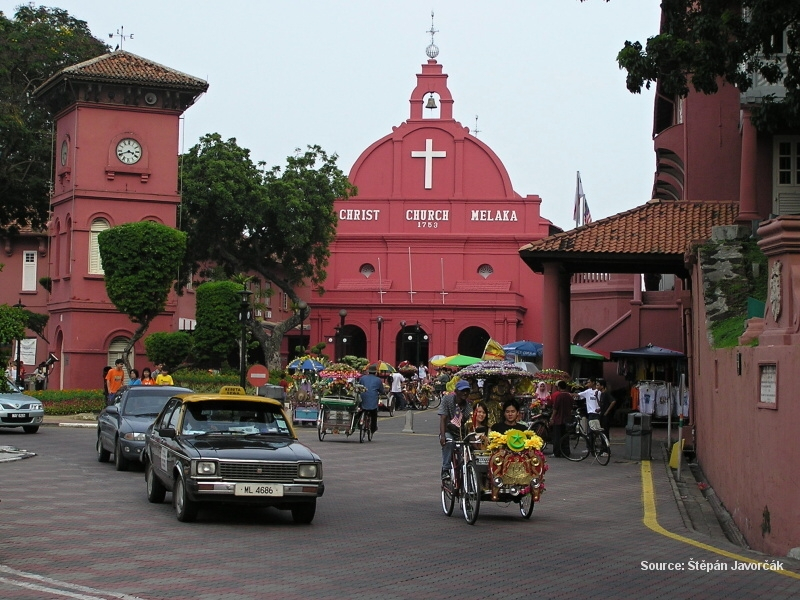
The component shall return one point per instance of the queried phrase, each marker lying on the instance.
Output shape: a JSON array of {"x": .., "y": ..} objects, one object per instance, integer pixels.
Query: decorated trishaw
[
  {"x": 339, "y": 401},
  {"x": 498, "y": 467},
  {"x": 304, "y": 373}
]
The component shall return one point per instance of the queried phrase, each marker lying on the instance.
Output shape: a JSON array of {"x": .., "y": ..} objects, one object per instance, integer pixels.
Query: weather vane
[
  {"x": 432, "y": 50},
  {"x": 476, "y": 131},
  {"x": 122, "y": 37}
]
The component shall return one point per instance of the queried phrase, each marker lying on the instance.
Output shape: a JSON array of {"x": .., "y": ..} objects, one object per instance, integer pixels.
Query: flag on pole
[
  {"x": 493, "y": 351},
  {"x": 579, "y": 196},
  {"x": 587, "y": 215}
]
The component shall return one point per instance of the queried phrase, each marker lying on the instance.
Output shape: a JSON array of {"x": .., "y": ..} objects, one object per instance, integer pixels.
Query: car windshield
[
  {"x": 234, "y": 418},
  {"x": 141, "y": 405},
  {"x": 9, "y": 387}
]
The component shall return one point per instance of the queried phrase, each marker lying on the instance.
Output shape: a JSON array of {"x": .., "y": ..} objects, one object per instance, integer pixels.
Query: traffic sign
[{"x": 257, "y": 375}]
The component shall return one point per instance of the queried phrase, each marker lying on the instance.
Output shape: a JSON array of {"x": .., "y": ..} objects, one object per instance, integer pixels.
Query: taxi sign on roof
[{"x": 232, "y": 390}]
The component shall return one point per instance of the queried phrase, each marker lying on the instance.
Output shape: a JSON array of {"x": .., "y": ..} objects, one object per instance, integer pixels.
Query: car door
[
  {"x": 162, "y": 449},
  {"x": 108, "y": 421}
]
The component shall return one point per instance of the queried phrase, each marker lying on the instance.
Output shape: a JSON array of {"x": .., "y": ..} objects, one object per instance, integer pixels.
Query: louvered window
[
  {"x": 95, "y": 265},
  {"x": 29, "y": 271}
]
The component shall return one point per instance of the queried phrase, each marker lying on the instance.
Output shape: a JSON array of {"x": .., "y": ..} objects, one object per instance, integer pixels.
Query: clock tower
[{"x": 117, "y": 120}]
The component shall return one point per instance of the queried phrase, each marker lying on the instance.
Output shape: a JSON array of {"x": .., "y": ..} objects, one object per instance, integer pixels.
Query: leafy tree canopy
[
  {"x": 703, "y": 42},
  {"x": 218, "y": 329},
  {"x": 276, "y": 222},
  {"x": 35, "y": 44},
  {"x": 169, "y": 349},
  {"x": 140, "y": 262}
]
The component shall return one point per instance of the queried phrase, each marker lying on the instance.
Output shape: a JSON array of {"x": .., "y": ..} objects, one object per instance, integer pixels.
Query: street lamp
[
  {"x": 245, "y": 314},
  {"x": 416, "y": 364},
  {"x": 20, "y": 306},
  {"x": 380, "y": 326},
  {"x": 402, "y": 356},
  {"x": 302, "y": 306},
  {"x": 341, "y": 341}
]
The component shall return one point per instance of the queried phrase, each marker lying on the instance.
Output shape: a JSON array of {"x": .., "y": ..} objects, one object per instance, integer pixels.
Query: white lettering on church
[
  {"x": 494, "y": 215},
  {"x": 356, "y": 214},
  {"x": 427, "y": 215},
  {"x": 428, "y": 154}
]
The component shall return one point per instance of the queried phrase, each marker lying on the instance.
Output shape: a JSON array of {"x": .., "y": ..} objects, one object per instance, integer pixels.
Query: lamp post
[
  {"x": 245, "y": 314},
  {"x": 402, "y": 356},
  {"x": 380, "y": 326},
  {"x": 18, "y": 381},
  {"x": 340, "y": 337},
  {"x": 302, "y": 306},
  {"x": 416, "y": 329}
]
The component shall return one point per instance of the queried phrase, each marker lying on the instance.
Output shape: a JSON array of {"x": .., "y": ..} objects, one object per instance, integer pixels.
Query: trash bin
[
  {"x": 270, "y": 390},
  {"x": 638, "y": 437}
]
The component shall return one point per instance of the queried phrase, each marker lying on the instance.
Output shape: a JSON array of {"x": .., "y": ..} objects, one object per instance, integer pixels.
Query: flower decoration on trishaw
[
  {"x": 516, "y": 463},
  {"x": 338, "y": 379}
]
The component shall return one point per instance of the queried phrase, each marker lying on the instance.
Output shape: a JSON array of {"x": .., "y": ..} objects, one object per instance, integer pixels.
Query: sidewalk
[{"x": 79, "y": 420}]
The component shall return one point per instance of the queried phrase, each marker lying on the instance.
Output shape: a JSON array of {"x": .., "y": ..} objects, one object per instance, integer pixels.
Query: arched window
[
  {"x": 367, "y": 270},
  {"x": 95, "y": 265},
  {"x": 115, "y": 351},
  {"x": 68, "y": 247},
  {"x": 485, "y": 270}
]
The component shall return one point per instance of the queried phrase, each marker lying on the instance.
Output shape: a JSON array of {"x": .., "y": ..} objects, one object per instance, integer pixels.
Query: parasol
[
  {"x": 577, "y": 351},
  {"x": 380, "y": 367},
  {"x": 648, "y": 351},
  {"x": 456, "y": 360},
  {"x": 524, "y": 349},
  {"x": 307, "y": 364}
]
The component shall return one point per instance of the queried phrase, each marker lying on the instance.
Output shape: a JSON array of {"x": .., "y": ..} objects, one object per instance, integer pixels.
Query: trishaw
[
  {"x": 339, "y": 404},
  {"x": 504, "y": 468}
]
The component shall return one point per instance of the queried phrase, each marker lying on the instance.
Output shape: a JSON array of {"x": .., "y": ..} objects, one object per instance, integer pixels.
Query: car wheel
[
  {"x": 30, "y": 428},
  {"x": 185, "y": 509},
  {"x": 303, "y": 513},
  {"x": 102, "y": 454},
  {"x": 155, "y": 489},
  {"x": 120, "y": 462}
]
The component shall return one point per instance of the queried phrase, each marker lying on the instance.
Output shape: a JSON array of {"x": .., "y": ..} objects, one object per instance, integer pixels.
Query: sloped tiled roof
[
  {"x": 124, "y": 67},
  {"x": 659, "y": 231}
]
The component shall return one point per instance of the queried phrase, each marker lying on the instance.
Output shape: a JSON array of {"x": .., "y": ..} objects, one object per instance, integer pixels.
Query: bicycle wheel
[
  {"x": 435, "y": 400},
  {"x": 575, "y": 446},
  {"x": 448, "y": 493},
  {"x": 541, "y": 429},
  {"x": 526, "y": 505},
  {"x": 602, "y": 449},
  {"x": 321, "y": 424},
  {"x": 471, "y": 496}
]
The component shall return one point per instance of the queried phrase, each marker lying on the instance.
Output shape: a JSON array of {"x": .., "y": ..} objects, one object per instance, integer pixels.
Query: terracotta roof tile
[
  {"x": 658, "y": 227},
  {"x": 124, "y": 67}
]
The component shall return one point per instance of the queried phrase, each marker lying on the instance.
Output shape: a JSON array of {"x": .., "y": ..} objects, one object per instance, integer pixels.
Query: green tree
[
  {"x": 218, "y": 329},
  {"x": 35, "y": 44},
  {"x": 168, "y": 348},
  {"x": 276, "y": 222},
  {"x": 12, "y": 327},
  {"x": 140, "y": 262},
  {"x": 704, "y": 42}
]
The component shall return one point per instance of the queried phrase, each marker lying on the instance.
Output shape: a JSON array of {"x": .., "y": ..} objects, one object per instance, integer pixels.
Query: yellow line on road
[{"x": 651, "y": 522}]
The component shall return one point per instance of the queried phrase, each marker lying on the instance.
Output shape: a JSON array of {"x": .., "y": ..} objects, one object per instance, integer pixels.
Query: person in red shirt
[
  {"x": 114, "y": 379},
  {"x": 562, "y": 412}
]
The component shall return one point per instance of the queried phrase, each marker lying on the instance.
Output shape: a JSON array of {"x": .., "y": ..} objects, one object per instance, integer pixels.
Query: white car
[{"x": 19, "y": 410}]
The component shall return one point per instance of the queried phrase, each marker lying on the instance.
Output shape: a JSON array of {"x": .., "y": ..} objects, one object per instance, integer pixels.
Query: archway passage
[
  {"x": 411, "y": 344},
  {"x": 472, "y": 341},
  {"x": 353, "y": 341}
]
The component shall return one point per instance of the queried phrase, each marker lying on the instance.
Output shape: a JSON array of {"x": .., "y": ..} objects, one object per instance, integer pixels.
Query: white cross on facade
[{"x": 428, "y": 154}]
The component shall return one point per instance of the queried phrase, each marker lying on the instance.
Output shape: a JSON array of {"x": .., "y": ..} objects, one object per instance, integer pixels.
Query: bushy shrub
[{"x": 70, "y": 402}]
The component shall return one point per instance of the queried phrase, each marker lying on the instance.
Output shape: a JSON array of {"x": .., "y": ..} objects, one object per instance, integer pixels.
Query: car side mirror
[
  {"x": 167, "y": 432},
  {"x": 112, "y": 409}
]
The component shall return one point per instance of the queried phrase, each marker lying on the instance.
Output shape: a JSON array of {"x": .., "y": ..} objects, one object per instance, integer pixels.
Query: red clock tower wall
[{"x": 117, "y": 145}]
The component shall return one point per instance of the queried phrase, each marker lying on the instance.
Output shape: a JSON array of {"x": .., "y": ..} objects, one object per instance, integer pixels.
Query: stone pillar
[
  {"x": 780, "y": 241},
  {"x": 555, "y": 318},
  {"x": 747, "y": 171}
]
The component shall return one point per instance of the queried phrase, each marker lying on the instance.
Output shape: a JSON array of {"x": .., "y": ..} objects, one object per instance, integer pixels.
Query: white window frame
[
  {"x": 29, "y": 265},
  {"x": 95, "y": 263}
]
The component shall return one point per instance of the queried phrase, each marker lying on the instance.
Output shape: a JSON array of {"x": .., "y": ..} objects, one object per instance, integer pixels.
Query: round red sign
[{"x": 257, "y": 375}]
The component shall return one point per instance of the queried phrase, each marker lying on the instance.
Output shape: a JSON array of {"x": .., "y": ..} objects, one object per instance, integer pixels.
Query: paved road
[{"x": 74, "y": 528}]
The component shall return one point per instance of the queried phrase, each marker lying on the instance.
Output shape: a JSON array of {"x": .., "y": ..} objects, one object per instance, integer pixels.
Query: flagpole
[
  {"x": 410, "y": 279},
  {"x": 577, "y": 209},
  {"x": 380, "y": 280}
]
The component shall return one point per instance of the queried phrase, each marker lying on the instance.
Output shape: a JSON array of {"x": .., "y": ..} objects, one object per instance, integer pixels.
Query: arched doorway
[
  {"x": 353, "y": 342},
  {"x": 411, "y": 344},
  {"x": 472, "y": 341},
  {"x": 115, "y": 349}
]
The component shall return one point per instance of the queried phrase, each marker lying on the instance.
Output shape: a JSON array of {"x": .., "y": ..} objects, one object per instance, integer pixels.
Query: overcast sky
[{"x": 541, "y": 76}]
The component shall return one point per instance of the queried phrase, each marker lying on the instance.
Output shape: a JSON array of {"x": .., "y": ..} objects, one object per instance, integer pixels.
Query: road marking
[
  {"x": 86, "y": 593},
  {"x": 651, "y": 522}
]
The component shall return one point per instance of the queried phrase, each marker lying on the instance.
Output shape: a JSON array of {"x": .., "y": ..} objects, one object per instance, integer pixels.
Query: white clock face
[
  {"x": 64, "y": 152},
  {"x": 129, "y": 151}
]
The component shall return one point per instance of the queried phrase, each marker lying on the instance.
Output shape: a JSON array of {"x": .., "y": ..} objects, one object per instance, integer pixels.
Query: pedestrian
[
  {"x": 156, "y": 371},
  {"x": 40, "y": 376},
  {"x": 454, "y": 416},
  {"x": 607, "y": 404},
  {"x": 397, "y": 391},
  {"x": 589, "y": 395},
  {"x": 133, "y": 376},
  {"x": 147, "y": 377},
  {"x": 164, "y": 378},
  {"x": 562, "y": 411},
  {"x": 373, "y": 388},
  {"x": 114, "y": 380}
]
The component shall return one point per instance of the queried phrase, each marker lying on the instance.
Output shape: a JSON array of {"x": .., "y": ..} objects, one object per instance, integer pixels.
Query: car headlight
[
  {"x": 309, "y": 471},
  {"x": 134, "y": 437},
  {"x": 34, "y": 407},
  {"x": 206, "y": 467}
]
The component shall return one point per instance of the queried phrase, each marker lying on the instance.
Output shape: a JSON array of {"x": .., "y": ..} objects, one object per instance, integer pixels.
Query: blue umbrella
[
  {"x": 524, "y": 349},
  {"x": 308, "y": 364}
]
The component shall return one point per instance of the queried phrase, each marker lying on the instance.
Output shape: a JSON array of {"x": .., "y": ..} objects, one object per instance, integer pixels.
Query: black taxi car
[{"x": 228, "y": 447}]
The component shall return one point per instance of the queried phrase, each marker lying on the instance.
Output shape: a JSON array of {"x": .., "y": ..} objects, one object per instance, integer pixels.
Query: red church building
[{"x": 425, "y": 259}]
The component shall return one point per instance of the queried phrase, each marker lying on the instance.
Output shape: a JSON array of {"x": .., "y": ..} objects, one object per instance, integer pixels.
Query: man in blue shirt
[{"x": 373, "y": 387}]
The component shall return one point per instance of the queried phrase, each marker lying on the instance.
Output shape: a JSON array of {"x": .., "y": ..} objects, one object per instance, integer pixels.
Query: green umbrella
[
  {"x": 577, "y": 351},
  {"x": 456, "y": 360}
]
